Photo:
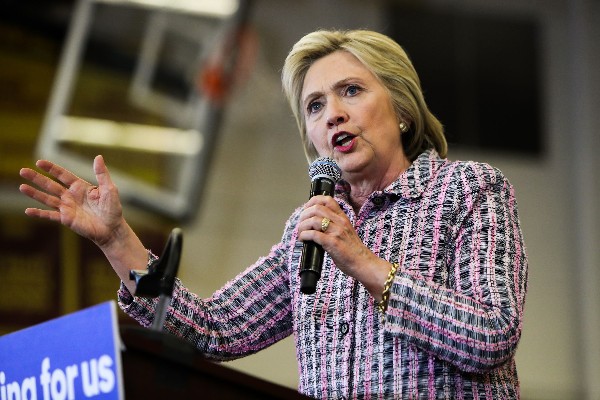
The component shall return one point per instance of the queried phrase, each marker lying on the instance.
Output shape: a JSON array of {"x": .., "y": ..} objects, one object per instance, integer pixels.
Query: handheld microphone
[{"x": 324, "y": 173}]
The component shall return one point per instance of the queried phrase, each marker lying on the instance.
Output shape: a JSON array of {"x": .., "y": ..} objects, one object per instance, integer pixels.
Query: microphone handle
[{"x": 312, "y": 253}]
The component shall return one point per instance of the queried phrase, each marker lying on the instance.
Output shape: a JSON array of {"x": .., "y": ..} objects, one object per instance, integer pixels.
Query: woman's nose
[{"x": 335, "y": 114}]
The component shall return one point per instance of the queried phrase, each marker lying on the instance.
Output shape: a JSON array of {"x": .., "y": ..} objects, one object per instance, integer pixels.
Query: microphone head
[{"x": 324, "y": 167}]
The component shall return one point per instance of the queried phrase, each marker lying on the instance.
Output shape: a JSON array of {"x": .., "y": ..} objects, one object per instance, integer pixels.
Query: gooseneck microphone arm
[{"x": 158, "y": 280}]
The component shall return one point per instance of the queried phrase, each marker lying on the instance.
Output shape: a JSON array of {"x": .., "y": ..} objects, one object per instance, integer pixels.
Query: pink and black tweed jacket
[{"x": 456, "y": 307}]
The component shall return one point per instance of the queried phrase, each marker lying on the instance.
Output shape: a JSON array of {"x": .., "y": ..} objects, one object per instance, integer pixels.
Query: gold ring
[{"x": 325, "y": 224}]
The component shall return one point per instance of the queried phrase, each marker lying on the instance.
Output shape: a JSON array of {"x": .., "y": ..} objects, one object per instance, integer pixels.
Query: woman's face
[{"x": 349, "y": 116}]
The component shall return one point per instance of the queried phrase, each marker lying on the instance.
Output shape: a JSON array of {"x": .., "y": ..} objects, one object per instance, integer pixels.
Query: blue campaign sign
[{"x": 76, "y": 356}]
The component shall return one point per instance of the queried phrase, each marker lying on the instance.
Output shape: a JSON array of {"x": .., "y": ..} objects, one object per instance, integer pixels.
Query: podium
[
  {"x": 157, "y": 365},
  {"x": 86, "y": 355}
]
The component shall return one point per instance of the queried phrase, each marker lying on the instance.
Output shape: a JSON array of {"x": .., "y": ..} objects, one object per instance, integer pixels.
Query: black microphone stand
[
  {"x": 158, "y": 281},
  {"x": 159, "y": 278}
]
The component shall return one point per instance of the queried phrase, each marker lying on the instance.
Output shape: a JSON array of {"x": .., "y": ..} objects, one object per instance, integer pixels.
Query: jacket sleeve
[
  {"x": 248, "y": 314},
  {"x": 474, "y": 320}
]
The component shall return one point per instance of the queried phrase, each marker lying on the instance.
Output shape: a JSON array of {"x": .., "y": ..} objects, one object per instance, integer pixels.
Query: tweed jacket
[{"x": 455, "y": 310}]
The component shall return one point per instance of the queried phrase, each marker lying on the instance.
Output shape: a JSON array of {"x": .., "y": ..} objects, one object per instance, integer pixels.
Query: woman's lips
[{"x": 343, "y": 141}]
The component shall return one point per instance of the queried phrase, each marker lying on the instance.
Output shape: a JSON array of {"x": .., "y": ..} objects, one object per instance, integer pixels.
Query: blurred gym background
[{"x": 183, "y": 99}]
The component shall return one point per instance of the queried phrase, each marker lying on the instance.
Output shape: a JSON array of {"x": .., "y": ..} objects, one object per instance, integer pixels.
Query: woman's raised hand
[{"x": 94, "y": 212}]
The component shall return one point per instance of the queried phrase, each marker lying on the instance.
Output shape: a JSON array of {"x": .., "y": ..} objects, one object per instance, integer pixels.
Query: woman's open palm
[{"x": 93, "y": 212}]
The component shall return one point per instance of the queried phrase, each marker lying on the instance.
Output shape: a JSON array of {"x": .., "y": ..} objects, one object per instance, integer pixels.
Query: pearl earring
[{"x": 403, "y": 127}]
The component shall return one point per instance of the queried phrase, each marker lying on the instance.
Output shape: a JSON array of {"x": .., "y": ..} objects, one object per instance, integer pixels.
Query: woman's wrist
[
  {"x": 385, "y": 294},
  {"x": 373, "y": 276},
  {"x": 116, "y": 236},
  {"x": 125, "y": 252}
]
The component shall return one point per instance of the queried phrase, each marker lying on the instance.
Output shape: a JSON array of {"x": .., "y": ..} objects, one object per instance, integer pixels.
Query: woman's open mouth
[{"x": 343, "y": 141}]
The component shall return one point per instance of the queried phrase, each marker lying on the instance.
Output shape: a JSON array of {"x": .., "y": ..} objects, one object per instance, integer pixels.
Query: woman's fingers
[
  {"x": 46, "y": 214},
  {"x": 44, "y": 198},
  {"x": 101, "y": 171},
  {"x": 49, "y": 192},
  {"x": 64, "y": 176},
  {"x": 323, "y": 206},
  {"x": 326, "y": 201},
  {"x": 42, "y": 182},
  {"x": 322, "y": 219}
]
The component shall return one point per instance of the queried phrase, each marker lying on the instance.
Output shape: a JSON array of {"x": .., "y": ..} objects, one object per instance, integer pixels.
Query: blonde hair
[{"x": 388, "y": 62}]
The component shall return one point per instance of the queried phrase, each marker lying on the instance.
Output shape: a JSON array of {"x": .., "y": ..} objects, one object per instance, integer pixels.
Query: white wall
[{"x": 259, "y": 176}]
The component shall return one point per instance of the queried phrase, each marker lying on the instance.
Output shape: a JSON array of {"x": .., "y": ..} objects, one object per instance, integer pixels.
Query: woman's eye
[
  {"x": 352, "y": 90},
  {"x": 314, "y": 107}
]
